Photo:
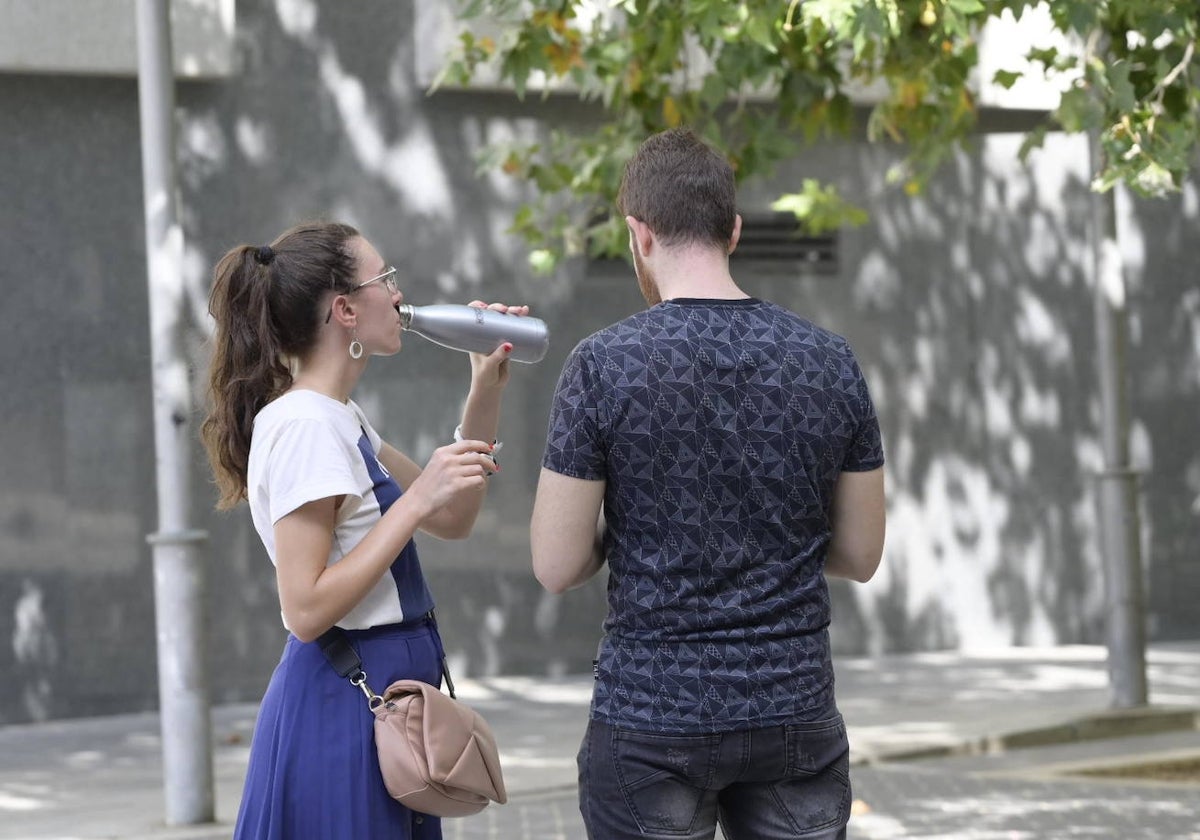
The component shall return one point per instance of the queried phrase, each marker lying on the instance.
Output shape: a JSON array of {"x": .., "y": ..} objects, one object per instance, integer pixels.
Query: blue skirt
[{"x": 313, "y": 772}]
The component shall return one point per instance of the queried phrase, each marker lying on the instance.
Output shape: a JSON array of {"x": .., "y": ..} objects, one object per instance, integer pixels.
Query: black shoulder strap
[
  {"x": 345, "y": 660},
  {"x": 445, "y": 665},
  {"x": 337, "y": 650}
]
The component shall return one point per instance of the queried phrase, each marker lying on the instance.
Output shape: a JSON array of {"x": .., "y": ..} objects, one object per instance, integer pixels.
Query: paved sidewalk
[{"x": 101, "y": 777}]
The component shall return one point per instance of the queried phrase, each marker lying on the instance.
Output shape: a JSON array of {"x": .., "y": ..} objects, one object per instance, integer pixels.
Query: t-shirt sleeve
[
  {"x": 865, "y": 452},
  {"x": 307, "y": 462},
  {"x": 574, "y": 443}
]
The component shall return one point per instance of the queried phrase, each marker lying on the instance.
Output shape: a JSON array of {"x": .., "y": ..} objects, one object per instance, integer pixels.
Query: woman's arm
[
  {"x": 480, "y": 421},
  {"x": 453, "y": 521},
  {"x": 314, "y": 596}
]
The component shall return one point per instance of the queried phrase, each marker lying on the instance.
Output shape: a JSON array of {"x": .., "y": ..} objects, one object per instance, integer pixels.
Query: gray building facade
[{"x": 970, "y": 309}]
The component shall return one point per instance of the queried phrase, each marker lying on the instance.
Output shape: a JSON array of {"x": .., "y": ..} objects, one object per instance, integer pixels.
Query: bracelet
[{"x": 496, "y": 444}]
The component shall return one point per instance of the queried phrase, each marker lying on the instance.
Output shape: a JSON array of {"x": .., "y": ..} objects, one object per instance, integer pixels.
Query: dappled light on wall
[{"x": 983, "y": 376}]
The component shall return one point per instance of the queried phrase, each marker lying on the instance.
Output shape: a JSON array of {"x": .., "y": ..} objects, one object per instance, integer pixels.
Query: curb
[
  {"x": 1106, "y": 725},
  {"x": 202, "y": 831},
  {"x": 1100, "y": 770}
]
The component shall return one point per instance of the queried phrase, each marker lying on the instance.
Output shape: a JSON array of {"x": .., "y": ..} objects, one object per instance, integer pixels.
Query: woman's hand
[
  {"x": 491, "y": 371},
  {"x": 452, "y": 470},
  {"x": 508, "y": 309}
]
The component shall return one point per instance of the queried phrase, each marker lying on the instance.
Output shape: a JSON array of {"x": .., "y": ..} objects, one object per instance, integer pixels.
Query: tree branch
[{"x": 1169, "y": 79}]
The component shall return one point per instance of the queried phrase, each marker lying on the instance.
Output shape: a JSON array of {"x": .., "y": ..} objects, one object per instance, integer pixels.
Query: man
[{"x": 736, "y": 456}]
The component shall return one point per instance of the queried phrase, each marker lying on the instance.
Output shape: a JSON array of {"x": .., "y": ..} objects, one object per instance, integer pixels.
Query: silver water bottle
[{"x": 474, "y": 330}]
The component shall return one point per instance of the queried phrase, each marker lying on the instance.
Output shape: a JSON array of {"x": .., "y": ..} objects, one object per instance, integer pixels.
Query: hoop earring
[{"x": 356, "y": 348}]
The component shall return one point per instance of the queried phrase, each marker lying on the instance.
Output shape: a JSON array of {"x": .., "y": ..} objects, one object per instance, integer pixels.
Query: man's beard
[{"x": 645, "y": 280}]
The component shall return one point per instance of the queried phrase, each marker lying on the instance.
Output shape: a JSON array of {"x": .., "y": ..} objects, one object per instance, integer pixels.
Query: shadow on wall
[
  {"x": 1165, "y": 392},
  {"x": 985, "y": 350},
  {"x": 970, "y": 311},
  {"x": 993, "y": 406}
]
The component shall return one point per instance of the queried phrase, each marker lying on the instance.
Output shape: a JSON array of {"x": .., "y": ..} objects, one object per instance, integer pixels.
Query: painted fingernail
[{"x": 507, "y": 347}]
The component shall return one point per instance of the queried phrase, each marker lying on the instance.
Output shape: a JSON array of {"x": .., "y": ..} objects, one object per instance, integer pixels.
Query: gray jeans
[{"x": 776, "y": 783}]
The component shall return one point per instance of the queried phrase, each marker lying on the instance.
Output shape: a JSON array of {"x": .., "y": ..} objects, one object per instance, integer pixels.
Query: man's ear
[
  {"x": 640, "y": 235},
  {"x": 737, "y": 233}
]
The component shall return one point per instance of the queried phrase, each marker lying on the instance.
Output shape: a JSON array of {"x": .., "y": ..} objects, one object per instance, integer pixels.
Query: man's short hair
[{"x": 682, "y": 188}]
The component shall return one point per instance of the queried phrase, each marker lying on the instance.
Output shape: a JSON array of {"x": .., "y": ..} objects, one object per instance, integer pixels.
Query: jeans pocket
[
  {"x": 818, "y": 766},
  {"x": 813, "y": 746},
  {"x": 664, "y": 778}
]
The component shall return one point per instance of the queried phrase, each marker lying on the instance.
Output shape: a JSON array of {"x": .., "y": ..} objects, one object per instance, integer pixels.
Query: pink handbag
[{"x": 437, "y": 755}]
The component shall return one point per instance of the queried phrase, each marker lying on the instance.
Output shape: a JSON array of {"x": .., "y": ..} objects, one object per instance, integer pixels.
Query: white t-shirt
[{"x": 307, "y": 446}]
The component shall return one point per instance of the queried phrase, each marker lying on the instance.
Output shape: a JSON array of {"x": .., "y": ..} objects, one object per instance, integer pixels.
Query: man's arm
[
  {"x": 563, "y": 532},
  {"x": 858, "y": 525}
]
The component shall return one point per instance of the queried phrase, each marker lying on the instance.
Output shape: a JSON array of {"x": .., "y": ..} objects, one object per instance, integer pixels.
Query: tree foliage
[{"x": 763, "y": 77}]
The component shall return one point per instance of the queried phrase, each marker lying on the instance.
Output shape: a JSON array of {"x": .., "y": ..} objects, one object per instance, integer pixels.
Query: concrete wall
[{"x": 969, "y": 308}]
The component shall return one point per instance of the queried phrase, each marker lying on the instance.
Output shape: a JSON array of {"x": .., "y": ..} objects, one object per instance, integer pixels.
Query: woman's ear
[{"x": 343, "y": 311}]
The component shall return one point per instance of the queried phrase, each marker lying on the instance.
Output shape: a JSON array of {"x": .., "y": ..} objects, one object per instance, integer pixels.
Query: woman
[{"x": 336, "y": 508}]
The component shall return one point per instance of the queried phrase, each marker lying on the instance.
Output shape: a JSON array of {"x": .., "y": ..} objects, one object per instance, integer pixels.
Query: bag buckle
[{"x": 359, "y": 679}]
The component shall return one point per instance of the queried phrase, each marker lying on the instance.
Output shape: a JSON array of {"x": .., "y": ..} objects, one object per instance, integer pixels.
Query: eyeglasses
[
  {"x": 388, "y": 277},
  {"x": 389, "y": 280}
]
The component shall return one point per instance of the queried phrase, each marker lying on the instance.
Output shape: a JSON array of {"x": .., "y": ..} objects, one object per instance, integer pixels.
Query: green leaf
[
  {"x": 1079, "y": 111},
  {"x": 841, "y": 114},
  {"x": 1005, "y": 78},
  {"x": 1078, "y": 17},
  {"x": 834, "y": 15},
  {"x": 1123, "y": 97},
  {"x": 1047, "y": 56},
  {"x": 542, "y": 261},
  {"x": 820, "y": 208},
  {"x": 762, "y": 32},
  {"x": 1033, "y": 140},
  {"x": 967, "y": 7},
  {"x": 796, "y": 203}
]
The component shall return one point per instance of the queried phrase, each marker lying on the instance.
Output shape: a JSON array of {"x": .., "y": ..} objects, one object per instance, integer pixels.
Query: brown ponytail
[{"x": 266, "y": 302}]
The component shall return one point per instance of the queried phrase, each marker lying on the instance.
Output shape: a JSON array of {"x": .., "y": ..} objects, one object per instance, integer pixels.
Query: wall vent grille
[{"x": 779, "y": 238}]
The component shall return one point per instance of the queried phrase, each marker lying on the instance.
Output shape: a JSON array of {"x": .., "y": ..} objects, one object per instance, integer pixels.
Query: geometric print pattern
[{"x": 720, "y": 429}]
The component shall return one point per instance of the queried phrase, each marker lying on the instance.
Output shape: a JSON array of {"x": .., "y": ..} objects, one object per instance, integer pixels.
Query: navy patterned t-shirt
[{"x": 720, "y": 428}]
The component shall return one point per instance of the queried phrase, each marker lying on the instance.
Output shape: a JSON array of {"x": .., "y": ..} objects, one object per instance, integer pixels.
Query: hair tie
[{"x": 263, "y": 254}]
